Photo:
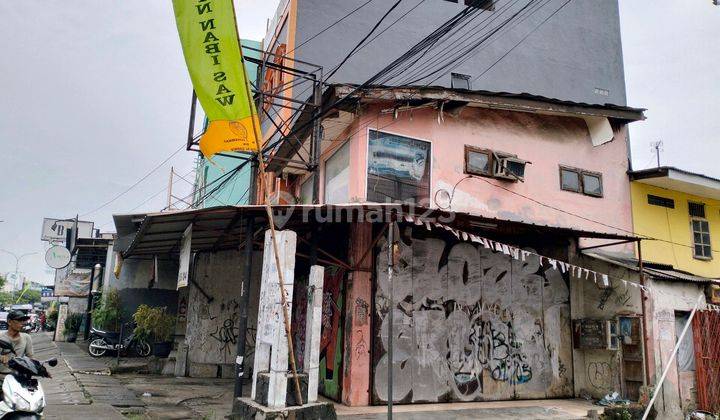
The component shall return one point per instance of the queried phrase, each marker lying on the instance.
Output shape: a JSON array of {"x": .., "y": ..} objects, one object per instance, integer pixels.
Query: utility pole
[
  {"x": 170, "y": 184},
  {"x": 17, "y": 264},
  {"x": 657, "y": 148}
]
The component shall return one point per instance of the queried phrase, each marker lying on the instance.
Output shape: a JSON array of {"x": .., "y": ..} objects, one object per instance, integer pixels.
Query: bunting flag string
[{"x": 600, "y": 279}]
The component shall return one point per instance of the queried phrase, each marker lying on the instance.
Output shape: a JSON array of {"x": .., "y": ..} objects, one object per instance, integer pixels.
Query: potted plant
[
  {"x": 72, "y": 326},
  {"x": 51, "y": 320},
  {"x": 108, "y": 314},
  {"x": 154, "y": 325}
]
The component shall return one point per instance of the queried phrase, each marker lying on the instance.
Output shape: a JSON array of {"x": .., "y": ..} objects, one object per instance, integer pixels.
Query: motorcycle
[
  {"x": 101, "y": 341},
  {"x": 23, "y": 396},
  {"x": 31, "y": 327}
]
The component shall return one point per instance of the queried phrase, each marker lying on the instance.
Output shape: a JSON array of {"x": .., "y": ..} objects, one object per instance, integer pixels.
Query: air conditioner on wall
[{"x": 510, "y": 168}]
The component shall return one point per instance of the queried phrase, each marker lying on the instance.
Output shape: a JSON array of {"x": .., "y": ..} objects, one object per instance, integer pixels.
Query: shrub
[
  {"x": 153, "y": 323},
  {"x": 108, "y": 315},
  {"x": 72, "y": 322}
]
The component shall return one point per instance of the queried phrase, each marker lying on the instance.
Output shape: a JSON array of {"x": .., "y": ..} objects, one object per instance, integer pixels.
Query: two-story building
[{"x": 680, "y": 211}]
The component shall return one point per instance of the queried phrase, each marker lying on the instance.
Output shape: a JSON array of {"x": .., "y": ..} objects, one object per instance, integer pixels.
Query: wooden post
[{"x": 313, "y": 323}]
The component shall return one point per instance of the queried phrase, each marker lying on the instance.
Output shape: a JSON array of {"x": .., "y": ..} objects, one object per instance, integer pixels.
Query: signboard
[
  {"x": 75, "y": 284},
  {"x": 590, "y": 334},
  {"x": 57, "y": 257},
  {"x": 185, "y": 251},
  {"x": 55, "y": 230}
]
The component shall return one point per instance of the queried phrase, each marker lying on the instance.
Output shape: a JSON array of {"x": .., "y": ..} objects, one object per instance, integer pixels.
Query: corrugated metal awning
[
  {"x": 220, "y": 228},
  {"x": 655, "y": 270}
]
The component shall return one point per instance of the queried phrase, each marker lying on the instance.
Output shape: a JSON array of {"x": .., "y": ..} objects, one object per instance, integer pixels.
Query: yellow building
[{"x": 682, "y": 211}]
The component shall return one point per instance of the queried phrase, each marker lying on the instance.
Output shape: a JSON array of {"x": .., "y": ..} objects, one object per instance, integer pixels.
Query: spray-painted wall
[
  {"x": 212, "y": 320},
  {"x": 331, "y": 335},
  {"x": 600, "y": 372},
  {"x": 471, "y": 324}
]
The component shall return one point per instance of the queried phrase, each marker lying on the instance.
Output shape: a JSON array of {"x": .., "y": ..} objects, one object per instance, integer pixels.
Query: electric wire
[
  {"x": 418, "y": 48},
  {"x": 330, "y": 26},
  {"x": 146, "y": 176},
  {"x": 458, "y": 49},
  {"x": 522, "y": 40},
  {"x": 365, "y": 38}
]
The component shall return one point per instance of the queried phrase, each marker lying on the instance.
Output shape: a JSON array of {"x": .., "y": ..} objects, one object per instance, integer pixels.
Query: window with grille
[
  {"x": 701, "y": 239},
  {"x": 655, "y": 200},
  {"x": 696, "y": 209}
]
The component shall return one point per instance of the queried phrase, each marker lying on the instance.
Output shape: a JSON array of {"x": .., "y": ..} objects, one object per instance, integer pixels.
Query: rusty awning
[{"x": 222, "y": 228}]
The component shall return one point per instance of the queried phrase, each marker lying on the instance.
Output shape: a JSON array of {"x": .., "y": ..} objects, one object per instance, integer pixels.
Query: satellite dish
[{"x": 57, "y": 256}]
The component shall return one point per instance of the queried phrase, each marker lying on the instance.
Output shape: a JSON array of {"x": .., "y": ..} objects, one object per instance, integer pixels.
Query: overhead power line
[
  {"x": 365, "y": 38},
  {"x": 330, "y": 26},
  {"x": 146, "y": 176}
]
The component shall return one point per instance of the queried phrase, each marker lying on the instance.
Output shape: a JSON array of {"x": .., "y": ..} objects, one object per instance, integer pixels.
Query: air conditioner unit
[{"x": 510, "y": 168}]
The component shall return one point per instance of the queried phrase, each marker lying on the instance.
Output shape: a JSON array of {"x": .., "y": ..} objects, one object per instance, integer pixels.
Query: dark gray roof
[
  {"x": 655, "y": 270},
  {"x": 662, "y": 171}
]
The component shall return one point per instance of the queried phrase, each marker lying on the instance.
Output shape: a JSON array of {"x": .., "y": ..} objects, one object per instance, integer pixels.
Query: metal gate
[{"x": 706, "y": 335}]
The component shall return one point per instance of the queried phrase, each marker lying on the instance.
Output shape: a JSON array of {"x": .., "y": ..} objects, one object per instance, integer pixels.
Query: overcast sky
[{"x": 95, "y": 94}]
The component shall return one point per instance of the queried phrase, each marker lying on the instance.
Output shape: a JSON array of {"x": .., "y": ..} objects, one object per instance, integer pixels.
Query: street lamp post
[{"x": 17, "y": 263}]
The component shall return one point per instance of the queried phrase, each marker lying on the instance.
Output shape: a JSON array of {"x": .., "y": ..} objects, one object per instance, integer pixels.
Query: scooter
[
  {"x": 102, "y": 341},
  {"x": 23, "y": 396}
]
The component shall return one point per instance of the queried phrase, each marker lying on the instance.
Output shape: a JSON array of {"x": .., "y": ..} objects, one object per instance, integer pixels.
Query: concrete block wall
[
  {"x": 212, "y": 322},
  {"x": 598, "y": 372}
]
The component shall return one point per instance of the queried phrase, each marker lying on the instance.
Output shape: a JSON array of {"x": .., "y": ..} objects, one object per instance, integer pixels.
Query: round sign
[{"x": 57, "y": 256}]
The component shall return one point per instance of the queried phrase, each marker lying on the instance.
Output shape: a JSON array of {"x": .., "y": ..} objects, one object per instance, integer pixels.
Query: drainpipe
[{"x": 643, "y": 298}]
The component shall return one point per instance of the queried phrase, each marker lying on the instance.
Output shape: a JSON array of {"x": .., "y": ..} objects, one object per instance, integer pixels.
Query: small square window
[
  {"x": 478, "y": 161},
  {"x": 569, "y": 180},
  {"x": 592, "y": 184},
  {"x": 459, "y": 81}
]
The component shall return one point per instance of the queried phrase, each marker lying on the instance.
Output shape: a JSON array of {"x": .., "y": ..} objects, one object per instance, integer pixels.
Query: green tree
[
  {"x": 2, "y": 281},
  {"x": 30, "y": 296}
]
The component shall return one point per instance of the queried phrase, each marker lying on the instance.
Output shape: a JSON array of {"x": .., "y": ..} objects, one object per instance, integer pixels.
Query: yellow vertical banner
[{"x": 209, "y": 39}]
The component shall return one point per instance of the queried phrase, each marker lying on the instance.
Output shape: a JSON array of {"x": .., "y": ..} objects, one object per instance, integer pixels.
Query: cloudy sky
[{"x": 95, "y": 94}]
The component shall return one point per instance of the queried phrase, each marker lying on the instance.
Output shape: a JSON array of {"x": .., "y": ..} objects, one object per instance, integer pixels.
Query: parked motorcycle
[
  {"x": 31, "y": 327},
  {"x": 23, "y": 396},
  {"x": 102, "y": 341}
]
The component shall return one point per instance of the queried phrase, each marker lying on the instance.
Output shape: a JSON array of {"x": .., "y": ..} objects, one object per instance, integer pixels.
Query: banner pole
[{"x": 271, "y": 222}]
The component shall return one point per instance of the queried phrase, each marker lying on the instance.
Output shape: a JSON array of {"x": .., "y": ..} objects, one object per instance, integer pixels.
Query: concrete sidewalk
[
  {"x": 92, "y": 392},
  {"x": 65, "y": 395}
]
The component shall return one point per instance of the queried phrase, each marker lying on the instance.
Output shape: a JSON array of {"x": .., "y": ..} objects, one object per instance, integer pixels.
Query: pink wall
[{"x": 546, "y": 141}]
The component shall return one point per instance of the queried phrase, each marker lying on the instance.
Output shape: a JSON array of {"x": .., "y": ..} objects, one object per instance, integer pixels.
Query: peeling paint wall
[
  {"x": 212, "y": 326},
  {"x": 547, "y": 141},
  {"x": 471, "y": 324},
  {"x": 678, "y": 393}
]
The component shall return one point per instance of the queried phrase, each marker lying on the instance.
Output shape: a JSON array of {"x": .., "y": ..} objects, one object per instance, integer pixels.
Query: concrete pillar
[
  {"x": 356, "y": 372},
  {"x": 271, "y": 350},
  {"x": 313, "y": 332}
]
